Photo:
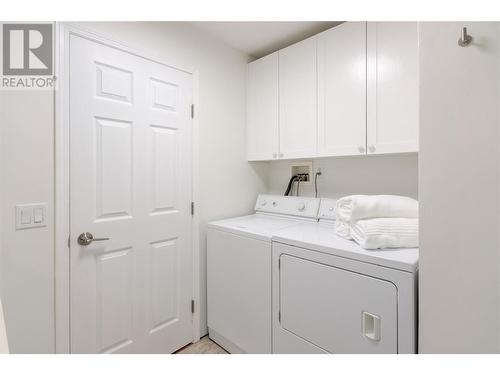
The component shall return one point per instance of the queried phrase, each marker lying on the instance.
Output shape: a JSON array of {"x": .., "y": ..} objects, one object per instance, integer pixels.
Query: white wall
[
  {"x": 459, "y": 189},
  {"x": 381, "y": 174},
  {"x": 27, "y": 256},
  {"x": 227, "y": 183}
]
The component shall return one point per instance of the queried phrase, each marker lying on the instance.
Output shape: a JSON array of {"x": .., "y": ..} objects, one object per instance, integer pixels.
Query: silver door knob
[{"x": 87, "y": 238}]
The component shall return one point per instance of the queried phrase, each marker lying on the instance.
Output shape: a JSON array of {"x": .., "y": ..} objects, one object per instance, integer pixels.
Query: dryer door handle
[{"x": 370, "y": 326}]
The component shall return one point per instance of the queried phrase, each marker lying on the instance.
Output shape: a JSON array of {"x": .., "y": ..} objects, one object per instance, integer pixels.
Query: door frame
[{"x": 63, "y": 31}]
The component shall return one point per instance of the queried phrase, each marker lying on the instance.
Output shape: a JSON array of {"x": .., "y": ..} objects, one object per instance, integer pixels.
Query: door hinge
[
  {"x": 192, "y": 208},
  {"x": 279, "y": 316},
  {"x": 192, "y": 306},
  {"x": 192, "y": 110}
]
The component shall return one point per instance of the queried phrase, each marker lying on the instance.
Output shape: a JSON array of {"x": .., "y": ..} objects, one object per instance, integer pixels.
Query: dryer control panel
[
  {"x": 327, "y": 209},
  {"x": 288, "y": 205}
]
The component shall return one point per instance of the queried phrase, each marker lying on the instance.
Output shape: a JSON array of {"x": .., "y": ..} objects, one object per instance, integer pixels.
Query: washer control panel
[{"x": 288, "y": 205}]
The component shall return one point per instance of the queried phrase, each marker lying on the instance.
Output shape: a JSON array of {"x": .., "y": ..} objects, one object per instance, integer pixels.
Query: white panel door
[
  {"x": 297, "y": 100},
  {"x": 392, "y": 73},
  {"x": 262, "y": 109},
  {"x": 130, "y": 177},
  {"x": 342, "y": 90}
]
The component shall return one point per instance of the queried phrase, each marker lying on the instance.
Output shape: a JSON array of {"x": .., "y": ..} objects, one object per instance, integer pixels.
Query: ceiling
[{"x": 261, "y": 38}]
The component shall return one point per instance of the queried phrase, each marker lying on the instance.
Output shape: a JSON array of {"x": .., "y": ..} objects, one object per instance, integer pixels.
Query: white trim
[
  {"x": 77, "y": 28},
  {"x": 196, "y": 216},
  {"x": 61, "y": 197},
  {"x": 62, "y": 187}
]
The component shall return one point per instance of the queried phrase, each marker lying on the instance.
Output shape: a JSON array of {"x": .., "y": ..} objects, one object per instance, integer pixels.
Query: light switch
[
  {"x": 38, "y": 215},
  {"x": 26, "y": 215},
  {"x": 31, "y": 215}
]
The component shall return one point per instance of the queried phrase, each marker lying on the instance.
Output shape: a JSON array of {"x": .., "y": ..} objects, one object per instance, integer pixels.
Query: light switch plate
[{"x": 32, "y": 215}]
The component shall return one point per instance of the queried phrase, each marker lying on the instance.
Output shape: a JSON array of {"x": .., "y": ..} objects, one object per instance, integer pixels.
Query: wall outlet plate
[{"x": 302, "y": 167}]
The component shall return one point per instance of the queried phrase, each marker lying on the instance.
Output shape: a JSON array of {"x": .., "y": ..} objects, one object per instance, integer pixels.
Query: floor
[{"x": 204, "y": 346}]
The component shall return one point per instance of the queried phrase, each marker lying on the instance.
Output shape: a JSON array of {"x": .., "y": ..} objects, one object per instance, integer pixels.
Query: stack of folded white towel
[{"x": 378, "y": 221}]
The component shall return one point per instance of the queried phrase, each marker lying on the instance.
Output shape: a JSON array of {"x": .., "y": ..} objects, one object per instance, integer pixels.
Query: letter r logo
[{"x": 27, "y": 49}]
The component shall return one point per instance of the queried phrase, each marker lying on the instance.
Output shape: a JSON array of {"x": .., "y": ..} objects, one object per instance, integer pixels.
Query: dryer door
[{"x": 337, "y": 310}]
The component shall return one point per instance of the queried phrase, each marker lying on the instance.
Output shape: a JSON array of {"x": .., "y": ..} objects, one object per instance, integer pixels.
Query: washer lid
[
  {"x": 321, "y": 237},
  {"x": 259, "y": 226}
]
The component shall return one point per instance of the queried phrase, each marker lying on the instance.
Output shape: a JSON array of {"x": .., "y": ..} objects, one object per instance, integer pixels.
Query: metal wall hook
[{"x": 465, "y": 39}]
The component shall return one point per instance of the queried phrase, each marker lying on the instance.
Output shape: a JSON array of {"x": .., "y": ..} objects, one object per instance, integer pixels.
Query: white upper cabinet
[
  {"x": 342, "y": 90},
  {"x": 297, "y": 100},
  {"x": 262, "y": 109},
  {"x": 351, "y": 90},
  {"x": 392, "y": 73}
]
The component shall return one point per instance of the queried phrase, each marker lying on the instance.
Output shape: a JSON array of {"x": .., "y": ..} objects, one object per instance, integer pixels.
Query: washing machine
[
  {"x": 239, "y": 256},
  {"x": 332, "y": 296}
]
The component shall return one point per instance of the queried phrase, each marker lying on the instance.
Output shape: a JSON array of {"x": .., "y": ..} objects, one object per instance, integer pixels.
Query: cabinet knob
[
  {"x": 281, "y": 154},
  {"x": 361, "y": 149},
  {"x": 275, "y": 156},
  {"x": 371, "y": 148}
]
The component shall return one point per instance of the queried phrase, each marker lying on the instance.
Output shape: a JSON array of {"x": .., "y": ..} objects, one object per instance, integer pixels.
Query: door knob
[{"x": 87, "y": 238}]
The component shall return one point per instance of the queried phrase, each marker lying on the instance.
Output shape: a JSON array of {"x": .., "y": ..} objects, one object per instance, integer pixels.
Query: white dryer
[
  {"x": 332, "y": 296},
  {"x": 239, "y": 271}
]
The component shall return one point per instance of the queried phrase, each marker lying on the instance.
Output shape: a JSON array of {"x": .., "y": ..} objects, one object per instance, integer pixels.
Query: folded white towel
[
  {"x": 357, "y": 207},
  {"x": 343, "y": 229},
  {"x": 385, "y": 232}
]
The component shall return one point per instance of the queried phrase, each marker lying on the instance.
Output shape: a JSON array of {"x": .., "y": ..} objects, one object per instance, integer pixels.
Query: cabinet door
[
  {"x": 342, "y": 90},
  {"x": 262, "y": 108},
  {"x": 392, "y": 73},
  {"x": 297, "y": 100}
]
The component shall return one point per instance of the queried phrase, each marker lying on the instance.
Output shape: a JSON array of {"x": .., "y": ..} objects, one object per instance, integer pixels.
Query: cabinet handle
[
  {"x": 372, "y": 148},
  {"x": 361, "y": 149}
]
